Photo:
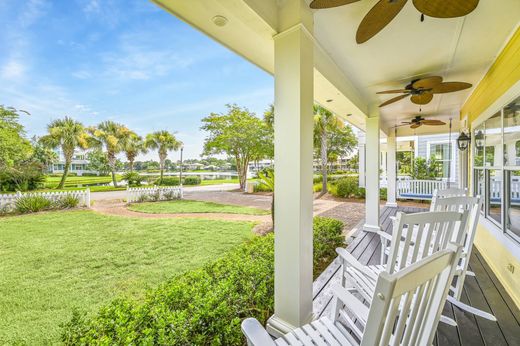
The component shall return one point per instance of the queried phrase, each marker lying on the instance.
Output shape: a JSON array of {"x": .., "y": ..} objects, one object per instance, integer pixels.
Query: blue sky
[{"x": 123, "y": 60}]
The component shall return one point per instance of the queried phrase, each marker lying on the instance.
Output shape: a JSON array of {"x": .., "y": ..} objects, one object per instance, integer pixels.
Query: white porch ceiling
[{"x": 460, "y": 49}]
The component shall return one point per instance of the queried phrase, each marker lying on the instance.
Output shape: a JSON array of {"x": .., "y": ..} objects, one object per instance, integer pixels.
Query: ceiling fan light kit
[{"x": 421, "y": 90}]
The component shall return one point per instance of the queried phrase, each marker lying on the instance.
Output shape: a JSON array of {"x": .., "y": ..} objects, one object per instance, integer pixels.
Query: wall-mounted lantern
[
  {"x": 463, "y": 141},
  {"x": 479, "y": 140}
]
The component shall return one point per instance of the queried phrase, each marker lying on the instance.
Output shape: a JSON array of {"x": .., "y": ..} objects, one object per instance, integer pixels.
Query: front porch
[{"x": 483, "y": 291}]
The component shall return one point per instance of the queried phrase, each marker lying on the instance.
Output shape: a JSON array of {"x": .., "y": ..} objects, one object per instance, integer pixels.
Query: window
[
  {"x": 496, "y": 167},
  {"x": 439, "y": 152}
]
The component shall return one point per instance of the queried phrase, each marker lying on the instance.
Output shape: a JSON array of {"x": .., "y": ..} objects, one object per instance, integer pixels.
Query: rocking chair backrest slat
[
  {"x": 418, "y": 235},
  {"x": 407, "y": 304},
  {"x": 452, "y": 192}
]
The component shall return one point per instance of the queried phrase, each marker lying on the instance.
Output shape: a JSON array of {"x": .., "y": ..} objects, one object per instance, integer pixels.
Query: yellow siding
[
  {"x": 503, "y": 74},
  {"x": 498, "y": 257}
]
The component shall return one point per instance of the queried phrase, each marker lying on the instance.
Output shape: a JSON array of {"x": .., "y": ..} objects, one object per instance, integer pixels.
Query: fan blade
[
  {"x": 398, "y": 91},
  {"x": 449, "y": 87},
  {"x": 445, "y": 9},
  {"x": 377, "y": 18},
  {"x": 422, "y": 99},
  {"x": 415, "y": 125},
  {"x": 395, "y": 99},
  {"x": 427, "y": 83},
  {"x": 321, "y": 4},
  {"x": 432, "y": 122},
  {"x": 406, "y": 122}
]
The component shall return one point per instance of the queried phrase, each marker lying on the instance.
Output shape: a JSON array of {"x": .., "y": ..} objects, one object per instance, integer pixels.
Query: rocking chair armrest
[
  {"x": 255, "y": 333},
  {"x": 351, "y": 303},
  {"x": 384, "y": 235},
  {"x": 351, "y": 261}
]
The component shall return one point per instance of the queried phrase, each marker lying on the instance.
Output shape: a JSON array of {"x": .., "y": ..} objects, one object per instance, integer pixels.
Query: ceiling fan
[
  {"x": 418, "y": 121},
  {"x": 385, "y": 10},
  {"x": 422, "y": 90}
]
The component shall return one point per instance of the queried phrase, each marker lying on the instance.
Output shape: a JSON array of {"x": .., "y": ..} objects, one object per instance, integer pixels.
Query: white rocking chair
[
  {"x": 406, "y": 310},
  {"x": 431, "y": 232}
]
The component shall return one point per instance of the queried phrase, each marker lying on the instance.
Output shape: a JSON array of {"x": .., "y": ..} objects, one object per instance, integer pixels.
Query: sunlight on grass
[
  {"x": 189, "y": 206},
  {"x": 53, "y": 262}
]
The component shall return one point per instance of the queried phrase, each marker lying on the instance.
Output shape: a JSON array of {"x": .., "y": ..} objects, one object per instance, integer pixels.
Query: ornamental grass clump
[
  {"x": 200, "y": 307},
  {"x": 32, "y": 204}
]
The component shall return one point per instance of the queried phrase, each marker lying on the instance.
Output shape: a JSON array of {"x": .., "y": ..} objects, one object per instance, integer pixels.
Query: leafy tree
[
  {"x": 68, "y": 134},
  {"x": 163, "y": 142},
  {"x": 14, "y": 147},
  {"x": 405, "y": 161},
  {"x": 239, "y": 134},
  {"x": 112, "y": 136},
  {"x": 43, "y": 155},
  {"x": 425, "y": 169},
  {"x": 98, "y": 161},
  {"x": 133, "y": 145},
  {"x": 332, "y": 139},
  {"x": 353, "y": 163}
]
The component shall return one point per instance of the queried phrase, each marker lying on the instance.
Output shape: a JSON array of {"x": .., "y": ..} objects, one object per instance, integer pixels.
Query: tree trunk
[
  {"x": 68, "y": 159},
  {"x": 131, "y": 164},
  {"x": 323, "y": 153},
  {"x": 242, "y": 164},
  {"x": 112, "y": 164},
  {"x": 162, "y": 158}
]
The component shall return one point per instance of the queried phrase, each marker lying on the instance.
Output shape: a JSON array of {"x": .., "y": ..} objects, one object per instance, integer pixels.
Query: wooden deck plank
[{"x": 483, "y": 291}]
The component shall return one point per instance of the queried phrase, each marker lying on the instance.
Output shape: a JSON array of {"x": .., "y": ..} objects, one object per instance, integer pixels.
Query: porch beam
[
  {"x": 391, "y": 169},
  {"x": 293, "y": 124},
  {"x": 372, "y": 172}
]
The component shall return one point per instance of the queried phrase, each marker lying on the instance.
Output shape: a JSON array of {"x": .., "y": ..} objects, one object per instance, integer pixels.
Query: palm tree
[
  {"x": 67, "y": 134},
  {"x": 112, "y": 137},
  {"x": 133, "y": 145},
  {"x": 163, "y": 142},
  {"x": 324, "y": 122}
]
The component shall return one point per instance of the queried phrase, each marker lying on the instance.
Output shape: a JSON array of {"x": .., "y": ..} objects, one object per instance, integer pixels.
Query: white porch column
[
  {"x": 372, "y": 173},
  {"x": 361, "y": 161},
  {"x": 294, "y": 67},
  {"x": 391, "y": 169}
]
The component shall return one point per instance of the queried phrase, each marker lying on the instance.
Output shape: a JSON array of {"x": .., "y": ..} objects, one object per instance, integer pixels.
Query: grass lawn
[
  {"x": 51, "y": 263},
  {"x": 188, "y": 206},
  {"x": 74, "y": 181}
]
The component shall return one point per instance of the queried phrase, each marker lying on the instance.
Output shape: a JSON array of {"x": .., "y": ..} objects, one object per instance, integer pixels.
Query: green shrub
[
  {"x": 262, "y": 188},
  {"x": 317, "y": 178},
  {"x": 90, "y": 175},
  {"x": 383, "y": 192},
  {"x": 32, "y": 204},
  {"x": 199, "y": 307},
  {"x": 167, "y": 181},
  {"x": 192, "y": 180},
  {"x": 361, "y": 192},
  {"x": 133, "y": 179},
  {"x": 66, "y": 202},
  {"x": 142, "y": 198},
  {"x": 347, "y": 187}
]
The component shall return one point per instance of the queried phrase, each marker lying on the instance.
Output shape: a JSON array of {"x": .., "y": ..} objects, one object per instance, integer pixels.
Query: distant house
[
  {"x": 79, "y": 164},
  {"x": 428, "y": 146},
  {"x": 256, "y": 166}
]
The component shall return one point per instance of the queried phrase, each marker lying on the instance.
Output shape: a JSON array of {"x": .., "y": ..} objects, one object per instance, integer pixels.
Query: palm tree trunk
[
  {"x": 131, "y": 164},
  {"x": 112, "y": 164},
  {"x": 65, "y": 173},
  {"x": 162, "y": 158}
]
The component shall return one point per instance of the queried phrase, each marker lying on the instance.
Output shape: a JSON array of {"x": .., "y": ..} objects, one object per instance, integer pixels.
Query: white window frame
[
  {"x": 453, "y": 161},
  {"x": 498, "y": 231}
]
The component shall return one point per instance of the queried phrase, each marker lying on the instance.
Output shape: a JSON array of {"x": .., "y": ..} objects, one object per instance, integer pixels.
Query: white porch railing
[
  {"x": 8, "y": 201},
  {"x": 155, "y": 193},
  {"x": 419, "y": 189}
]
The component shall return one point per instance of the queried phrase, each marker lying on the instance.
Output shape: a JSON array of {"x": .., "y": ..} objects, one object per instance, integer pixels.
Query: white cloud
[
  {"x": 13, "y": 70},
  {"x": 32, "y": 12},
  {"x": 82, "y": 74}
]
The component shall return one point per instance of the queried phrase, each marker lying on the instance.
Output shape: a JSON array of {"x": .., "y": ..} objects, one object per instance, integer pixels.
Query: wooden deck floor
[{"x": 483, "y": 291}]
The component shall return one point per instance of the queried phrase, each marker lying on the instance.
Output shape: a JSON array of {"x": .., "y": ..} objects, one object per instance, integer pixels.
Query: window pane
[
  {"x": 478, "y": 135},
  {"x": 494, "y": 200},
  {"x": 513, "y": 205},
  {"x": 478, "y": 186},
  {"x": 512, "y": 134},
  {"x": 493, "y": 138}
]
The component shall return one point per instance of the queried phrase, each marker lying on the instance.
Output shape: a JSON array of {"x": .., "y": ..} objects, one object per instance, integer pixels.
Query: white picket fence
[
  {"x": 419, "y": 189},
  {"x": 8, "y": 201},
  {"x": 155, "y": 193}
]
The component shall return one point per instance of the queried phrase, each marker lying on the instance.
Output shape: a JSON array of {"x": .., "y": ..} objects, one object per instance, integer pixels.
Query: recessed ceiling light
[
  {"x": 220, "y": 20},
  {"x": 330, "y": 100}
]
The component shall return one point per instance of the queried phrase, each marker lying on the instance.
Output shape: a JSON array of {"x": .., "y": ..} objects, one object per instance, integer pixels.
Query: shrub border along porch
[{"x": 204, "y": 306}]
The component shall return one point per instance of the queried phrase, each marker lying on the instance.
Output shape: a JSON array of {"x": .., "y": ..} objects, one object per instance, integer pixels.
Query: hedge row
[{"x": 200, "y": 307}]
